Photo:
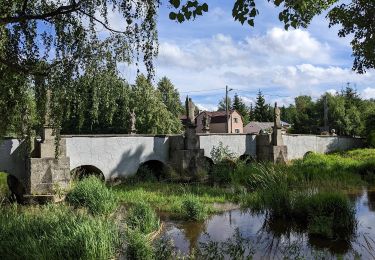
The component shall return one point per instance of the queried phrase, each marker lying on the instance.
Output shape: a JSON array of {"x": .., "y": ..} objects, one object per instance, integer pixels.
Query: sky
[{"x": 201, "y": 57}]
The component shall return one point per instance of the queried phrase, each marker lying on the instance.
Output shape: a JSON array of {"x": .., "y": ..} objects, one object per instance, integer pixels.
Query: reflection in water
[{"x": 272, "y": 238}]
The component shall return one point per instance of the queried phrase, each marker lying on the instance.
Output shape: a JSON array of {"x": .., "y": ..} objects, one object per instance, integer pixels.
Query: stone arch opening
[
  {"x": 247, "y": 158},
  {"x": 12, "y": 188},
  {"x": 307, "y": 154},
  {"x": 84, "y": 171},
  {"x": 208, "y": 164},
  {"x": 152, "y": 170}
]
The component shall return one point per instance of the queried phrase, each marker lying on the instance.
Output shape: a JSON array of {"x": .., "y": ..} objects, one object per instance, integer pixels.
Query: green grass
[
  {"x": 55, "y": 232},
  {"x": 93, "y": 194},
  {"x": 142, "y": 217},
  {"x": 193, "y": 209},
  {"x": 351, "y": 168},
  {"x": 3, "y": 185},
  {"x": 169, "y": 197}
]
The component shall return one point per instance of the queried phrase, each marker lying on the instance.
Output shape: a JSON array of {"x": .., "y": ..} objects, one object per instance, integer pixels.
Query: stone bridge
[{"x": 121, "y": 155}]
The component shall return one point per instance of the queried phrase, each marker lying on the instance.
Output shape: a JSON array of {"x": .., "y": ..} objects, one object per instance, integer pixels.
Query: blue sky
[{"x": 203, "y": 56}]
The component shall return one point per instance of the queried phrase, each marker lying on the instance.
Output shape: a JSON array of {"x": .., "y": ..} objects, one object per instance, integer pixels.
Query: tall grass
[
  {"x": 55, "y": 232},
  {"x": 142, "y": 217},
  {"x": 349, "y": 168},
  {"x": 169, "y": 197},
  {"x": 193, "y": 209},
  {"x": 93, "y": 194},
  {"x": 4, "y": 191}
]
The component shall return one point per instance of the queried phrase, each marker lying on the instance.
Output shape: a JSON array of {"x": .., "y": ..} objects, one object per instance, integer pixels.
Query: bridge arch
[
  {"x": 307, "y": 154},
  {"x": 247, "y": 158},
  {"x": 14, "y": 186},
  {"x": 152, "y": 168},
  {"x": 84, "y": 171}
]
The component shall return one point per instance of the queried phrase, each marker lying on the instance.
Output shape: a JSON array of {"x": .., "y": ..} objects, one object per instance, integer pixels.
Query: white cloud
[
  {"x": 368, "y": 93},
  {"x": 293, "y": 43}
]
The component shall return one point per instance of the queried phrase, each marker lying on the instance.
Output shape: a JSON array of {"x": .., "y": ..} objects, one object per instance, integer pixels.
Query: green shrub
[
  {"x": 221, "y": 172},
  {"x": 193, "y": 209},
  {"x": 93, "y": 194},
  {"x": 55, "y": 232},
  {"x": 142, "y": 217},
  {"x": 222, "y": 153},
  {"x": 138, "y": 246}
]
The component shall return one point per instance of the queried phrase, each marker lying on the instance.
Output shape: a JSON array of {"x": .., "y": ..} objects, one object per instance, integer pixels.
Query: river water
[{"x": 266, "y": 240}]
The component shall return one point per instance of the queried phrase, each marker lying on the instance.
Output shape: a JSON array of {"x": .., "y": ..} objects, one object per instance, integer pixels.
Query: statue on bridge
[
  {"x": 133, "y": 120},
  {"x": 206, "y": 120},
  {"x": 190, "y": 111}
]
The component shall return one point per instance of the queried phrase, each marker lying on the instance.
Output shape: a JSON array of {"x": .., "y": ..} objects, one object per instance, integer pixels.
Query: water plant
[
  {"x": 193, "y": 209},
  {"x": 55, "y": 232},
  {"x": 138, "y": 247},
  {"x": 93, "y": 194},
  {"x": 142, "y": 217}
]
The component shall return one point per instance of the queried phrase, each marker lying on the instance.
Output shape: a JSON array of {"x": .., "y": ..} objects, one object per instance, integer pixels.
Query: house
[
  {"x": 255, "y": 127},
  {"x": 218, "y": 121}
]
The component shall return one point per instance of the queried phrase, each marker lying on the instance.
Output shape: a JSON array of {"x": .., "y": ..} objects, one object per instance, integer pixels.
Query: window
[
  {"x": 236, "y": 120},
  {"x": 237, "y": 131}
]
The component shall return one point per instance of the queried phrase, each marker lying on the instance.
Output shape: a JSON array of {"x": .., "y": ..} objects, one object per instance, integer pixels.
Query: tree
[
  {"x": 261, "y": 111},
  {"x": 357, "y": 19},
  {"x": 241, "y": 107},
  {"x": 305, "y": 120},
  {"x": 170, "y": 97},
  {"x": 152, "y": 115},
  {"x": 97, "y": 102},
  {"x": 251, "y": 113},
  {"x": 222, "y": 104},
  {"x": 52, "y": 42}
]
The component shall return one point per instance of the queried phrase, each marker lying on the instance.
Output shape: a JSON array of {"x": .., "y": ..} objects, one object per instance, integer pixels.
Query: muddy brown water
[{"x": 278, "y": 239}]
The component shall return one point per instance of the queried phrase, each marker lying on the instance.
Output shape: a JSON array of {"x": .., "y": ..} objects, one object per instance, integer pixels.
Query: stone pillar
[
  {"x": 49, "y": 173},
  {"x": 271, "y": 147},
  {"x": 186, "y": 156}
]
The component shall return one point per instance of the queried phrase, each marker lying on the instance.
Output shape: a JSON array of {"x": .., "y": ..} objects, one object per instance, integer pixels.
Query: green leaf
[
  {"x": 175, "y": 3},
  {"x": 251, "y": 22},
  {"x": 180, "y": 18},
  {"x": 278, "y": 2},
  {"x": 205, "y": 7},
  {"x": 253, "y": 12},
  {"x": 172, "y": 15}
]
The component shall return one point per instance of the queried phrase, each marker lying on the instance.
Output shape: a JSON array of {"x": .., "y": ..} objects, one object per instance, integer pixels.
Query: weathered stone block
[
  {"x": 48, "y": 174},
  {"x": 176, "y": 143},
  {"x": 279, "y": 154}
]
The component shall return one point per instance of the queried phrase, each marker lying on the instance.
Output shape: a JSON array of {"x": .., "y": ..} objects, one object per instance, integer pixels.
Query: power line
[{"x": 265, "y": 94}]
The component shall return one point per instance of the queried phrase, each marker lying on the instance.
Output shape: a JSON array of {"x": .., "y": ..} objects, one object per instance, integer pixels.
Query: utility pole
[{"x": 227, "y": 107}]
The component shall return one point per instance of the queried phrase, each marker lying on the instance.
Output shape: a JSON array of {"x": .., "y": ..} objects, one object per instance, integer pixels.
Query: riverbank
[{"x": 124, "y": 220}]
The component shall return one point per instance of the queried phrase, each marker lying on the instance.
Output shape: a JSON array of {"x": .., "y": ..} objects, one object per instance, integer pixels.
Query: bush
[
  {"x": 138, "y": 246},
  {"x": 193, "y": 209},
  {"x": 143, "y": 218},
  {"x": 222, "y": 171},
  {"x": 55, "y": 232},
  {"x": 93, "y": 194}
]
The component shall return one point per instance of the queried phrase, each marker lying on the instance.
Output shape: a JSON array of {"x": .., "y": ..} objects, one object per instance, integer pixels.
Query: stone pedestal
[
  {"x": 267, "y": 152},
  {"x": 279, "y": 154},
  {"x": 186, "y": 156},
  {"x": 48, "y": 176}
]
